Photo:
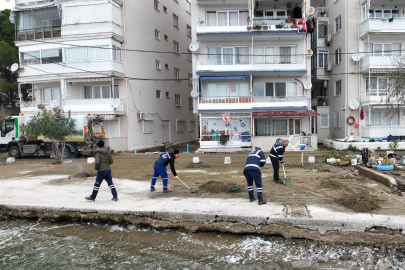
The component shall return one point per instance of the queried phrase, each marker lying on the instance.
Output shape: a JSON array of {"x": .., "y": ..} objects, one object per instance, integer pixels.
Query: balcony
[
  {"x": 378, "y": 62},
  {"x": 92, "y": 28},
  {"x": 229, "y": 64},
  {"x": 376, "y": 97},
  {"x": 248, "y": 103},
  {"x": 39, "y": 33},
  {"x": 100, "y": 106},
  {"x": 322, "y": 12},
  {"x": 381, "y": 131},
  {"x": 320, "y": 101},
  {"x": 32, "y": 71},
  {"x": 382, "y": 25}
]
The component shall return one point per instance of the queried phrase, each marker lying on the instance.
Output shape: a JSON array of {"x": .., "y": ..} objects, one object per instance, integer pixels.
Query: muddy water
[{"x": 32, "y": 245}]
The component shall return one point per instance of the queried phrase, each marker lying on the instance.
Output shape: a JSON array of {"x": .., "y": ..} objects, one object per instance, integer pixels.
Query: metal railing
[
  {"x": 320, "y": 101},
  {"x": 236, "y": 60},
  {"x": 39, "y": 33},
  {"x": 321, "y": 12},
  {"x": 382, "y": 24},
  {"x": 215, "y": 100}
]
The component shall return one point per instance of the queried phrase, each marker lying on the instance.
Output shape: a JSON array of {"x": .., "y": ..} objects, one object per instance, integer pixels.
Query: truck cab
[{"x": 8, "y": 132}]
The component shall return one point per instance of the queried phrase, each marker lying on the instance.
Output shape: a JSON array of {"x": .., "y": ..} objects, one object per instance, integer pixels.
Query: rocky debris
[
  {"x": 345, "y": 258},
  {"x": 384, "y": 265},
  {"x": 83, "y": 174},
  {"x": 395, "y": 192},
  {"x": 370, "y": 261},
  {"x": 322, "y": 259}
]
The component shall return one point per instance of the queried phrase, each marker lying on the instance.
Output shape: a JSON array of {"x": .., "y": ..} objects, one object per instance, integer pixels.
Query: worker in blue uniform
[
  {"x": 159, "y": 168},
  {"x": 276, "y": 156},
  {"x": 254, "y": 162}
]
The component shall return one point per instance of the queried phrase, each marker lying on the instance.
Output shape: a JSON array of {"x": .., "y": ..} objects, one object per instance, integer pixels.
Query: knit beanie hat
[
  {"x": 176, "y": 151},
  {"x": 100, "y": 143}
]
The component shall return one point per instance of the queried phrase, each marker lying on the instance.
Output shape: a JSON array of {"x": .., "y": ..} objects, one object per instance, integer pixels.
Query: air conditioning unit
[
  {"x": 329, "y": 66},
  {"x": 140, "y": 116},
  {"x": 328, "y": 39}
]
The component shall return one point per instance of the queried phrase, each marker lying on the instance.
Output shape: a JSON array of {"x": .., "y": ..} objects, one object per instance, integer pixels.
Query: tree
[
  {"x": 395, "y": 97},
  {"x": 53, "y": 125},
  {"x": 3, "y": 116}
]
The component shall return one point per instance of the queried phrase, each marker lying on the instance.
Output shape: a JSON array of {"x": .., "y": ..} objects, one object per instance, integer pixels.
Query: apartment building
[
  {"x": 252, "y": 73},
  {"x": 356, "y": 45},
  {"x": 124, "y": 60}
]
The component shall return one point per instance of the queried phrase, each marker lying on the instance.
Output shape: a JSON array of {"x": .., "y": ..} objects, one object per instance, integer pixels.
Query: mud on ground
[{"x": 315, "y": 184}]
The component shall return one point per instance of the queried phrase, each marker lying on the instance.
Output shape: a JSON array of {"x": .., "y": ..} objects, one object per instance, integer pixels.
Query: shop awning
[
  {"x": 223, "y": 77},
  {"x": 285, "y": 114}
]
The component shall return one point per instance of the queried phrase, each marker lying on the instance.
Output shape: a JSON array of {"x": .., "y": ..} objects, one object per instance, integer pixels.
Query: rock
[
  {"x": 322, "y": 259},
  {"x": 345, "y": 258},
  {"x": 369, "y": 261},
  {"x": 384, "y": 265}
]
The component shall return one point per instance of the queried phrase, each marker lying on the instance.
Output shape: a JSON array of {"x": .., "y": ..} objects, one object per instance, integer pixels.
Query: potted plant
[
  {"x": 265, "y": 27},
  {"x": 249, "y": 27},
  {"x": 258, "y": 27},
  {"x": 223, "y": 139},
  {"x": 386, "y": 165},
  {"x": 279, "y": 25}
]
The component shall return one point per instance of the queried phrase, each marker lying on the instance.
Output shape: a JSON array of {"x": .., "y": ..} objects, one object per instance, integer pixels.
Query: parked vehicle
[{"x": 90, "y": 129}]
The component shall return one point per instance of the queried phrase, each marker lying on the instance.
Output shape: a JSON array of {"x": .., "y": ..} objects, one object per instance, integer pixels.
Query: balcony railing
[
  {"x": 280, "y": 99},
  {"x": 373, "y": 61},
  {"x": 381, "y": 131},
  {"x": 255, "y": 99},
  {"x": 39, "y": 33},
  {"x": 321, "y": 12},
  {"x": 237, "y": 60},
  {"x": 91, "y": 28},
  {"x": 381, "y": 24},
  {"x": 320, "y": 101},
  {"x": 377, "y": 97},
  {"x": 216, "y": 100}
]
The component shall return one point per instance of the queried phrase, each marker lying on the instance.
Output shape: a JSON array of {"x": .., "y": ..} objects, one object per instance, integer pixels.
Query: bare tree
[{"x": 395, "y": 97}]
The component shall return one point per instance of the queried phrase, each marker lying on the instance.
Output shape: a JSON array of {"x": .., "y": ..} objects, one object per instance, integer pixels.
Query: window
[
  {"x": 277, "y": 127},
  {"x": 175, "y": 21},
  {"x": 190, "y": 78},
  {"x": 165, "y": 9},
  {"x": 189, "y": 55},
  {"x": 147, "y": 126},
  {"x": 156, "y": 4},
  {"x": 337, "y": 120},
  {"x": 228, "y": 56},
  {"x": 177, "y": 73},
  {"x": 157, "y": 64},
  {"x": 158, "y": 94},
  {"x": 190, "y": 102},
  {"x": 385, "y": 49},
  {"x": 100, "y": 53},
  {"x": 380, "y": 117},
  {"x": 294, "y": 126},
  {"x": 166, "y": 66},
  {"x": 225, "y": 90},
  {"x": 157, "y": 34},
  {"x": 338, "y": 56},
  {"x": 191, "y": 124},
  {"x": 276, "y": 89},
  {"x": 116, "y": 51},
  {"x": 101, "y": 91},
  {"x": 376, "y": 86},
  {"x": 49, "y": 94},
  {"x": 175, "y": 47},
  {"x": 180, "y": 125},
  {"x": 177, "y": 100},
  {"x": 165, "y": 37},
  {"x": 338, "y": 88},
  {"x": 188, "y": 30},
  {"x": 322, "y": 59},
  {"x": 275, "y": 55},
  {"x": 188, "y": 7},
  {"x": 6, "y": 127},
  {"x": 30, "y": 58},
  {"x": 338, "y": 24},
  {"x": 51, "y": 56},
  {"x": 325, "y": 120},
  {"x": 227, "y": 18},
  {"x": 167, "y": 94}
]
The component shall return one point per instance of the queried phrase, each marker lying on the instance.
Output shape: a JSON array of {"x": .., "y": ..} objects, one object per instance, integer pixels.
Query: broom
[
  {"x": 236, "y": 188},
  {"x": 285, "y": 181}
]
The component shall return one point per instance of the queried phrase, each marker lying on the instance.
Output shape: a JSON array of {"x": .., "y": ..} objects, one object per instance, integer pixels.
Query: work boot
[
  {"x": 167, "y": 191},
  {"x": 252, "y": 199},
  {"x": 261, "y": 201},
  {"x": 279, "y": 181},
  {"x": 90, "y": 199},
  {"x": 152, "y": 189},
  {"x": 114, "y": 199}
]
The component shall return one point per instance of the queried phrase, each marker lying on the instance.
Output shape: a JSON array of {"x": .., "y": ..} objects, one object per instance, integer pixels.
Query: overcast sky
[{"x": 7, "y": 5}]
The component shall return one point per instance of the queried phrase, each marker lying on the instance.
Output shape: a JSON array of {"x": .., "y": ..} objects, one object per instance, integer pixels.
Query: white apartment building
[
  {"x": 98, "y": 57},
  {"x": 252, "y": 63},
  {"x": 356, "y": 45}
]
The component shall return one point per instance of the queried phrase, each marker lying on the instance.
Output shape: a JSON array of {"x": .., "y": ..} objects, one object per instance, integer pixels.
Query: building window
[
  {"x": 338, "y": 24},
  {"x": 158, "y": 94},
  {"x": 188, "y": 30},
  {"x": 385, "y": 49},
  {"x": 180, "y": 125},
  {"x": 84, "y": 54},
  {"x": 294, "y": 126},
  {"x": 234, "y": 18},
  {"x": 166, "y": 38},
  {"x": 228, "y": 56},
  {"x": 322, "y": 59},
  {"x": 157, "y": 34},
  {"x": 190, "y": 78},
  {"x": 116, "y": 52},
  {"x": 147, "y": 126},
  {"x": 175, "y": 21},
  {"x": 30, "y": 58},
  {"x": 177, "y": 73},
  {"x": 325, "y": 120},
  {"x": 156, "y": 3},
  {"x": 157, "y": 64},
  {"x": 189, "y": 55},
  {"x": 175, "y": 46},
  {"x": 337, "y": 120},
  {"x": 380, "y": 118},
  {"x": 101, "y": 91},
  {"x": 190, "y": 102},
  {"x": 338, "y": 88},
  {"x": 232, "y": 89},
  {"x": 49, "y": 94},
  {"x": 376, "y": 86},
  {"x": 51, "y": 56},
  {"x": 168, "y": 94},
  {"x": 177, "y": 100},
  {"x": 166, "y": 66},
  {"x": 338, "y": 56},
  {"x": 275, "y": 89},
  {"x": 165, "y": 9},
  {"x": 188, "y": 7},
  {"x": 273, "y": 55},
  {"x": 191, "y": 124}
]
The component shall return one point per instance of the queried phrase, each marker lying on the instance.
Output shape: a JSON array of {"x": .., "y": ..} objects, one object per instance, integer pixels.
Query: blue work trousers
[
  {"x": 254, "y": 176},
  {"x": 159, "y": 170},
  {"x": 104, "y": 175},
  {"x": 276, "y": 167}
]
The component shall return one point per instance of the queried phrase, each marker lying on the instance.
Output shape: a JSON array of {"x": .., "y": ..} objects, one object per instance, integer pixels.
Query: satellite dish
[
  {"x": 194, "y": 46},
  {"x": 356, "y": 57},
  {"x": 14, "y": 67},
  {"x": 194, "y": 93},
  {"x": 353, "y": 104},
  {"x": 310, "y": 10},
  {"x": 54, "y": 103},
  {"x": 310, "y": 53},
  {"x": 307, "y": 85},
  {"x": 116, "y": 103}
]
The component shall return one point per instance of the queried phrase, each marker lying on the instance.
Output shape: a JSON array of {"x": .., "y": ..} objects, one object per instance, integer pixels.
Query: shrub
[
  {"x": 371, "y": 140},
  {"x": 378, "y": 148},
  {"x": 352, "y": 148},
  {"x": 335, "y": 155},
  {"x": 386, "y": 162}
]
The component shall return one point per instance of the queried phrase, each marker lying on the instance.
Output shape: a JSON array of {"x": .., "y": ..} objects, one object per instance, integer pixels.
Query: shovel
[
  {"x": 236, "y": 188},
  {"x": 191, "y": 190},
  {"x": 285, "y": 181}
]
